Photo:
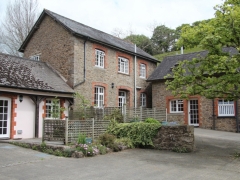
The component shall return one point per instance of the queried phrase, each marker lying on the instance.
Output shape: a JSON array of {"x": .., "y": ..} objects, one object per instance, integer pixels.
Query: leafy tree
[
  {"x": 163, "y": 39},
  {"x": 141, "y": 41},
  {"x": 217, "y": 74},
  {"x": 19, "y": 19}
]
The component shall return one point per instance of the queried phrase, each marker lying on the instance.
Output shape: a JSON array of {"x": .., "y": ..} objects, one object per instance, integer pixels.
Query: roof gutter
[
  {"x": 84, "y": 65},
  {"x": 30, "y": 89}
]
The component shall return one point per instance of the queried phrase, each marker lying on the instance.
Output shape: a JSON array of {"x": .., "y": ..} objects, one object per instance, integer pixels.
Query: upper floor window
[
  {"x": 226, "y": 108},
  {"x": 123, "y": 65},
  {"x": 99, "y": 96},
  {"x": 99, "y": 58},
  {"x": 142, "y": 70},
  {"x": 176, "y": 106},
  {"x": 52, "y": 109},
  {"x": 143, "y": 100},
  {"x": 35, "y": 57}
]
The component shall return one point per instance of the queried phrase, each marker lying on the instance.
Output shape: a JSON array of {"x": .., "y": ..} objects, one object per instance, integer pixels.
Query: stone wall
[
  {"x": 65, "y": 53},
  {"x": 54, "y": 45},
  {"x": 176, "y": 138},
  {"x": 162, "y": 98}
]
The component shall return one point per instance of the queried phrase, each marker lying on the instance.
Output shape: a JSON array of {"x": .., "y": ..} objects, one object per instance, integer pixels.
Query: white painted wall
[{"x": 25, "y": 118}]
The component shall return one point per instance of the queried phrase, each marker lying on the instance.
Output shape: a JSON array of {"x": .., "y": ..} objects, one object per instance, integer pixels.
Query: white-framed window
[
  {"x": 35, "y": 57},
  {"x": 99, "y": 96},
  {"x": 143, "y": 100},
  {"x": 122, "y": 98},
  {"x": 226, "y": 108},
  {"x": 99, "y": 58},
  {"x": 123, "y": 65},
  {"x": 143, "y": 70},
  {"x": 176, "y": 106},
  {"x": 52, "y": 108}
]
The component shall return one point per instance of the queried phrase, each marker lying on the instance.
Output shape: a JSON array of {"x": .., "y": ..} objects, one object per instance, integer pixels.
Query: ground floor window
[
  {"x": 176, "y": 106},
  {"x": 143, "y": 100},
  {"x": 53, "y": 108},
  {"x": 99, "y": 96},
  {"x": 122, "y": 96},
  {"x": 226, "y": 108}
]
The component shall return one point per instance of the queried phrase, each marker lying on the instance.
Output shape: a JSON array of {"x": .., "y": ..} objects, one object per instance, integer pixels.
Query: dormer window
[{"x": 99, "y": 58}]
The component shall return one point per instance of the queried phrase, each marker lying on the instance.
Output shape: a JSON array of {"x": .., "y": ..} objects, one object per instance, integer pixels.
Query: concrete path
[{"x": 213, "y": 159}]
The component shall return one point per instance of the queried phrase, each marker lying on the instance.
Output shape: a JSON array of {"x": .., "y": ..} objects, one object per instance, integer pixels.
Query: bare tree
[{"x": 19, "y": 19}]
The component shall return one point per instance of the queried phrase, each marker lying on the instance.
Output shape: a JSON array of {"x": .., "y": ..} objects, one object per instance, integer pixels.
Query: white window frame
[
  {"x": 99, "y": 58},
  {"x": 178, "y": 106},
  {"x": 99, "y": 96},
  {"x": 143, "y": 99},
  {"x": 35, "y": 57},
  {"x": 123, "y": 65},
  {"x": 49, "y": 108},
  {"x": 143, "y": 70},
  {"x": 226, "y": 108}
]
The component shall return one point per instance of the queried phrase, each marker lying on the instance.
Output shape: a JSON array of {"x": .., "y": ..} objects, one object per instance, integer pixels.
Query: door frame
[
  {"x": 189, "y": 115},
  {"x": 9, "y": 117}
]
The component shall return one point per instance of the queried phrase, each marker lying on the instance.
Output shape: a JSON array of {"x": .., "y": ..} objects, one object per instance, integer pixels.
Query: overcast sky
[{"x": 135, "y": 15}]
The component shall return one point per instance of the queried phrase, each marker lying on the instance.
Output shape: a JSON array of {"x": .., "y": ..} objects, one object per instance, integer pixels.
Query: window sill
[
  {"x": 176, "y": 113},
  {"x": 97, "y": 67},
  {"x": 226, "y": 116},
  {"x": 142, "y": 77},
  {"x": 123, "y": 73}
]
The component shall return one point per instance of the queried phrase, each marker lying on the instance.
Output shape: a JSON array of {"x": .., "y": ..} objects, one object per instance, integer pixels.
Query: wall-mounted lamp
[
  {"x": 20, "y": 98},
  {"x": 112, "y": 85}
]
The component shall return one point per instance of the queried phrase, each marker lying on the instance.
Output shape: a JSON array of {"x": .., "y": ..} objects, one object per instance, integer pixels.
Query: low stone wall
[{"x": 179, "y": 138}]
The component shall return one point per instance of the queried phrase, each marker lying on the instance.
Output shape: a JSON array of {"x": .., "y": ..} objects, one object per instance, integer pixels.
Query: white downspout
[{"x": 135, "y": 78}]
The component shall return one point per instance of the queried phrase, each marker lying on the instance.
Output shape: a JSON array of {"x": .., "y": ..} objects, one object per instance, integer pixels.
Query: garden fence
[
  {"x": 69, "y": 130},
  {"x": 129, "y": 114}
]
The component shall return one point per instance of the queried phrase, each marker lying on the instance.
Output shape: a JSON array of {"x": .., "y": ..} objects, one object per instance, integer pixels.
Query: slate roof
[
  {"x": 17, "y": 72},
  {"x": 79, "y": 29},
  {"x": 165, "y": 66}
]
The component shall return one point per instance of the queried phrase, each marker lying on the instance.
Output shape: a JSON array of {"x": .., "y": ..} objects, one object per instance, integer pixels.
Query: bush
[
  {"x": 115, "y": 115},
  {"x": 151, "y": 120},
  {"x": 102, "y": 149},
  {"x": 141, "y": 134},
  {"x": 125, "y": 142},
  {"x": 88, "y": 150},
  {"x": 81, "y": 139},
  {"x": 106, "y": 139}
]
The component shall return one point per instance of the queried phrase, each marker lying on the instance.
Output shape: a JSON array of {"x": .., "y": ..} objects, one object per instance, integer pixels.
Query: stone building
[
  {"x": 198, "y": 111},
  {"x": 26, "y": 90},
  {"x": 104, "y": 69}
]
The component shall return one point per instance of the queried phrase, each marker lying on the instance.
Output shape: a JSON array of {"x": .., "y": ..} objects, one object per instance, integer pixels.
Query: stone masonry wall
[
  {"x": 65, "y": 53},
  {"x": 54, "y": 44},
  {"x": 161, "y": 98},
  {"x": 104, "y": 77},
  {"x": 176, "y": 138}
]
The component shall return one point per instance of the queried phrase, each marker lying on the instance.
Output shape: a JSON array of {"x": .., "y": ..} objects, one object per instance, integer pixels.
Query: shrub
[
  {"x": 115, "y": 115},
  {"x": 125, "y": 142},
  {"x": 141, "y": 134},
  {"x": 107, "y": 139},
  {"x": 81, "y": 139},
  {"x": 102, "y": 149},
  {"x": 151, "y": 120},
  {"x": 88, "y": 150}
]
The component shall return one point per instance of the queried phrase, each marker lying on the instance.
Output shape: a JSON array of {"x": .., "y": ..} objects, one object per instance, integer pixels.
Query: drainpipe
[
  {"x": 213, "y": 105},
  {"x": 84, "y": 65},
  {"x": 135, "y": 76}
]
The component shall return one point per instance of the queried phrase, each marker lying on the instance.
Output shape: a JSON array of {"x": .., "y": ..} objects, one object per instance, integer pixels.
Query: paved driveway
[{"x": 213, "y": 159}]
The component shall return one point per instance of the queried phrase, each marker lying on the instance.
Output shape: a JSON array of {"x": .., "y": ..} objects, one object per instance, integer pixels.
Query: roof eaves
[{"x": 43, "y": 90}]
